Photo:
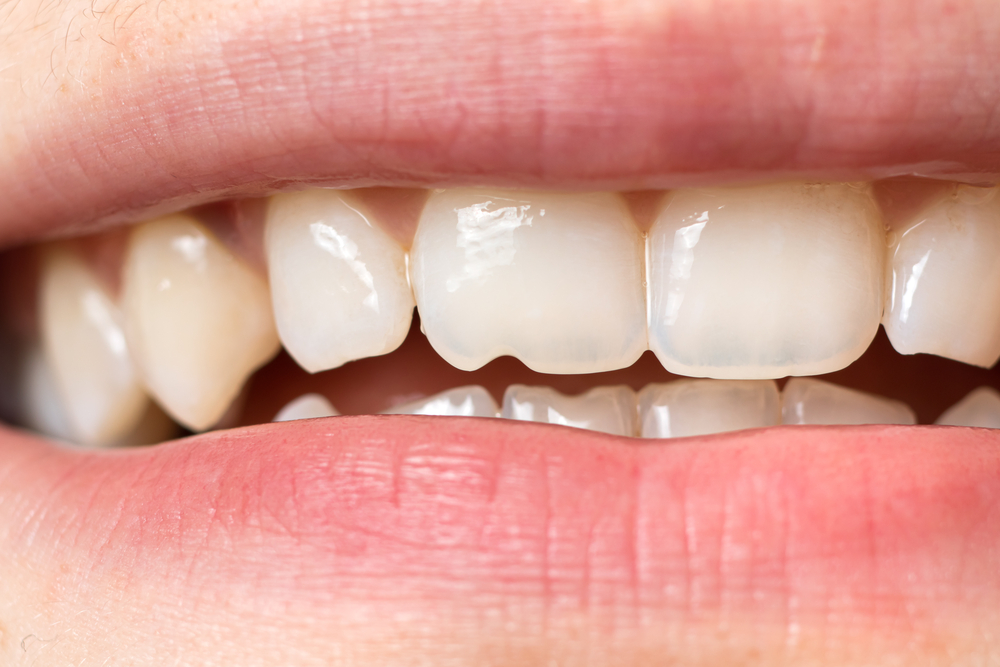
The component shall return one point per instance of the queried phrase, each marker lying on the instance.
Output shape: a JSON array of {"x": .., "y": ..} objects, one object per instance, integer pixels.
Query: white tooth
[
  {"x": 198, "y": 319},
  {"x": 86, "y": 350},
  {"x": 811, "y": 401},
  {"x": 552, "y": 279},
  {"x": 338, "y": 282},
  {"x": 606, "y": 409},
  {"x": 471, "y": 401},
  {"x": 42, "y": 407},
  {"x": 306, "y": 406},
  {"x": 700, "y": 407},
  {"x": 944, "y": 279},
  {"x": 765, "y": 281},
  {"x": 981, "y": 407}
]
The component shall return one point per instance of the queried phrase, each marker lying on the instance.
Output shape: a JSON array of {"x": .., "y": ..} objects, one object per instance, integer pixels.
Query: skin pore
[{"x": 416, "y": 541}]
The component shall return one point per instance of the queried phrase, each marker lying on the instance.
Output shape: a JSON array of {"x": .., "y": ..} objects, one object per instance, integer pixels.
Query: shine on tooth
[
  {"x": 765, "y": 281},
  {"x": 306, "y": 406},
  {"x": 86, "y": 350},
  {"x": 811, "y": 401},
  {"x": 470, "y": 401},
  {"x": 338, "y": 282},
  {"x": 555, "y": 280},
  {"x": 197, "y": 319},
  {"x": 944, "y": 279},
  {"x": 605, "y": 409},
  {"x": 701, "y": 407},
  {"x": 981, "y": 408}
]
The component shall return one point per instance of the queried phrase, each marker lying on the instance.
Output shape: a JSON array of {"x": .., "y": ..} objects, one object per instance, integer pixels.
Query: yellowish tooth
[
  {"x": 700, "y": 407},
  {"x": 198, "y": 319},
  {"x": 605, "y": 409},
  {"x": 812, "y": 401},
  {"x": 980, "y": 408}
]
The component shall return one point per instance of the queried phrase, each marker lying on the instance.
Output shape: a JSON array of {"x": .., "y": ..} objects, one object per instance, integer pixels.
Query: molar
[
  {"x": 606, "y": 409},
  {"x": 701, "y": 407},
  {"x": 812, "y": 401}
]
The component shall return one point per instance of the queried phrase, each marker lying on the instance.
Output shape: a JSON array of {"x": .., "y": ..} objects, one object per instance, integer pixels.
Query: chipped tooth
[
  {"x": 197, "y": 319},
  {"x": 338, "y": 282},
  {"x": 606, "y": 409},
  {"x": 306, "y": 406},
  {"x": 470, "y": 401},
  {"x": 811, "y": 401},
  {"x": 87, "y": 353},
  {"x": 701, "y": 407},
  {"x": 981, "y": 407},
  {"x": 555, "y": 280},
  {"x": 944, "y": 279},
  {"x": 765, "y": 281}
]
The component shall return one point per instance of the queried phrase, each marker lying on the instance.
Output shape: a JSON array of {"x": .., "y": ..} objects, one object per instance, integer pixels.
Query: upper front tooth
[
  {"x": 198, "y": 319},
  {"x": 471, "y": 401},
  {"x": 87, "y": 353},
  {"x": 944, "y": 292},
  {"x": 553, "y": 279},
  {"x": 700, "y": 407},
  {"x": 766, "y": 281},
  {"x": 981, "y": 407},
  {"x": 811, "y": 401},
  {"x": 338, "y": 281},
  {"x": 606, "y": 409}
]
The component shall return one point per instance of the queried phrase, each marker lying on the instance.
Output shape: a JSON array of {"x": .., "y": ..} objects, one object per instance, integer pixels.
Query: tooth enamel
[
  {"x": 197, "y": 319},
  {"x": 701, "y": 407},
  {"x": 811, "y": 401},
  {"x": 766, "y": 281},
  {"x": 981, "y": 407},
  {"x": 42, "y": 407},
  {"x": 338, "y": 282},
  {"x": 86, "y": 350},
  {"x": 471, "y": 401},
  {"x": 306, "y": 406},
  {"x": 552, "y": 279},
  {"x": 944, "y": 279},
  {"x": 606, "y": 409}
]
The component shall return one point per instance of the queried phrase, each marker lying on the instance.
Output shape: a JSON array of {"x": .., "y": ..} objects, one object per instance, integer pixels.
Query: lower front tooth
[
  {"x": 606, "y": 409},
  {"x": 86, "y": 350},
  {"x": 811, "y": 401},
  {"x": 198, "y": 319},
  {"x": 981, "y": 407},
  {"x": 306, "y": 406},
  {"x": 471, "y": 401},
  {"x": 701, "y": 407}
]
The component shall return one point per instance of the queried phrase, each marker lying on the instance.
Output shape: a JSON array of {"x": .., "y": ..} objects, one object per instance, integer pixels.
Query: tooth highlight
[
  {"x": 810, "y": 401},
  {"x": 306, "y": 406},
  {"x": 338, "y": 282},
  {"x": 944, "y": 279},
  {"x": 606, "y": 409},
  {"x": 700, "y": 407},
  {"x": 981, "y": 407},
  {"x": 85, "y": 345},
  {"x": 765, "y": 281},
  {"x": 555, "y": 280},
  {"x": 470, "y": 401},
  {"x": 198, "y": 319}
]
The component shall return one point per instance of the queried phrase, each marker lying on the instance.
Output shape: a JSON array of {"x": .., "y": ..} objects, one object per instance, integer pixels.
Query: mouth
[{"x": 594, "y": 361}]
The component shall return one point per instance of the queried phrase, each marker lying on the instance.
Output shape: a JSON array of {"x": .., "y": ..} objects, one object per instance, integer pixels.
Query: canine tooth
[
  {"x": 338, "y": 282},
  {"x": 944, "y": 279},
  {"x": 811, "y": 401},
  {"x": 981, "y": 407},
  {"x": 198, "y": 319},
  {"x": 86, "y": 350},
  {"x": 765, "y": 281},
  {"x": 555, "y": 280},
  {"x": 471, "y": 401},
  {"x": 606, "y": 409},
  {"x": 700, "y": 407},
  {"x": 306, "y": 406}
]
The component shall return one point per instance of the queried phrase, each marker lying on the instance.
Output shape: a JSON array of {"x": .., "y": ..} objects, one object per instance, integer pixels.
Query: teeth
[
  {"x": 809, "y": 401},
  {"x": 198, "y": 320},
  {"x": 980, "y": 408},
  {"x": 700, "y": 407},
  {"x": 552, "y": 279},
  {"x": 944, "y": 291},
  {"x": 765, "y": 282},
  {"x": 306, "y": 406},
  {"x": 87, "y": 354},
  {"x": 606, "y": 409},
  {"x": 42, "y": 407},
  {"x": 471, "y": 401},
  {"x": 338, "y": 282}
]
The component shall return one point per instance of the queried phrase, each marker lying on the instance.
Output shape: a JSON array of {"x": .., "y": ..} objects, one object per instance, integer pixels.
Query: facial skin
[{"x": 414, "y": 541}]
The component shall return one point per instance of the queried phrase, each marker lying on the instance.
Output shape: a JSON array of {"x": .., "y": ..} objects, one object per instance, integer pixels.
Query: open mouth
[{"x": 762, "y": 347}]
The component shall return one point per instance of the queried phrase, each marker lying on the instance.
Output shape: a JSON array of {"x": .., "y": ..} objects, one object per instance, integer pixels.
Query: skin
[{"x": 379, "y": 541}]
